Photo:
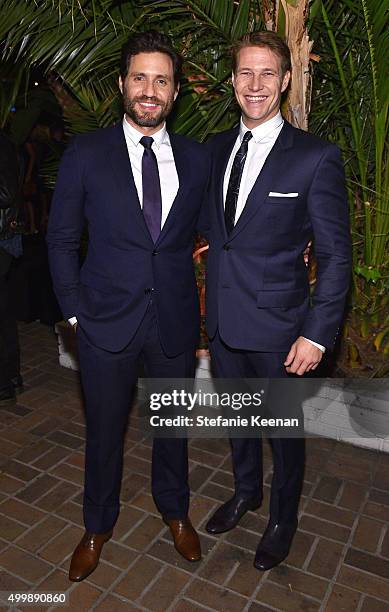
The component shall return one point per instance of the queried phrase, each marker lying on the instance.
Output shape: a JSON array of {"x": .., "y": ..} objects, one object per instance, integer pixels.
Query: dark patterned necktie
[
  {"x": 234, "y": 183},
  {"x": 152, "y": 200}
]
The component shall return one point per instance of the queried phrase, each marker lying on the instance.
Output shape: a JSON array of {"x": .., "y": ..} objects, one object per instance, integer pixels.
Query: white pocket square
[{"x": 275, "y": 194}]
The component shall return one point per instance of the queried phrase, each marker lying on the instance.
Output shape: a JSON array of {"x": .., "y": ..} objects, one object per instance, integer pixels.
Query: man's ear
[
  {"x": 176, "y": 91},
  {"x": 285, "y": 80},
  {"x": 120, "y": 83},
  {"x": 233, "y": 79}
]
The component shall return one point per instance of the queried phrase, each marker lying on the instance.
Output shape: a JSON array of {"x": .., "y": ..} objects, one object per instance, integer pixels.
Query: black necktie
[
  {"x": 152, "y": 200},
  {"x": 234, "y": 183}
]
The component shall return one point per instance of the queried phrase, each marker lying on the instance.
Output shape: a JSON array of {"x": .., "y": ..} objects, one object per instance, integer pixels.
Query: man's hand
[{"x": 302, "y": 357}]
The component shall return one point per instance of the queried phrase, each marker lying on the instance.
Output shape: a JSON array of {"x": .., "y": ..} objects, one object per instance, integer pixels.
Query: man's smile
[
  {"x": 148, "y": 105},
  {"x": 254, "y": 99}
]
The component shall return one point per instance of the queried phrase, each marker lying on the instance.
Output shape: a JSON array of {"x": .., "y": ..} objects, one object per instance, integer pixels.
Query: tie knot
[
  {"x": 146, "y": 141},
  {"x": 247, "y": 137}
]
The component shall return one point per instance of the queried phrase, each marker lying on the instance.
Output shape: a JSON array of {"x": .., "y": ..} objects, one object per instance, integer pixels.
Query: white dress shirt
[
  {"x": 168, "y": 176},
  {"x": 259, "y": 147}
]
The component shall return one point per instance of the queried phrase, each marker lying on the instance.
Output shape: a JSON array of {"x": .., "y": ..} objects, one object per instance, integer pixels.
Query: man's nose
[
  {"x": 256, "y": 82},
  {"x": 149, "y": 88}
]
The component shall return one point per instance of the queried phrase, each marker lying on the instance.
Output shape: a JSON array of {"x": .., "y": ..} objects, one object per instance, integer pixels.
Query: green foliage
[
  {"x": 79, "y": 42},
  {"x": 203, "y": 31},
  {"x": 350, "y": 106}
]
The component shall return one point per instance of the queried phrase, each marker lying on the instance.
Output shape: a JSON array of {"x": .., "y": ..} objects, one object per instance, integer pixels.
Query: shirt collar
[
  {"x": 160, "y": 137},
  {"x": 261, "y": 131}
]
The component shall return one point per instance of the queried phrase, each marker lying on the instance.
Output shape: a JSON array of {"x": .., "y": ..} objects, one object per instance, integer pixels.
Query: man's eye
[
  {"x": 268, "y": 73},
  {"x": 138, "y": 77},
  {"x": 161, "y": 82}
]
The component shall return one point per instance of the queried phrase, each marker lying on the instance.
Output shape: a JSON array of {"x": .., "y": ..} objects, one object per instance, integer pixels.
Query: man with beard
[{"x": 139, "y": 189}]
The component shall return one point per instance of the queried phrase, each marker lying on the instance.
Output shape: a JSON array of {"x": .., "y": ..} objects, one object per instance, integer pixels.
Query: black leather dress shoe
[
  {"x": 274, "y": 545},
  {"x": 229, "y": 514}
]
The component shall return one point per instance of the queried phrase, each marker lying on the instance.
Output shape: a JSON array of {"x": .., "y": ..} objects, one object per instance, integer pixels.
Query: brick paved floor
[{"x": 340, "y": 557}]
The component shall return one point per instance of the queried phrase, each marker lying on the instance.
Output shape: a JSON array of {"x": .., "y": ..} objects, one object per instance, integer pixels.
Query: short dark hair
[
  {"x": 267, "y": 39},
  {"x": 150, "y": 41}
]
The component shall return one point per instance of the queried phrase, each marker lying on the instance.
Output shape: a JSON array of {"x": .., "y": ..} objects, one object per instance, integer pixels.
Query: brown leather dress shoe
[
  {"x": 86, "y": 557},
  {"x": 186, "y": 540}
]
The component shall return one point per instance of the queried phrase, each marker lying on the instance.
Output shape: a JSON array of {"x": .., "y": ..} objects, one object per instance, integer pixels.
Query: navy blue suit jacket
[
  {"x": 257, "y": 285},
  {"x": 123, "y": 267}
]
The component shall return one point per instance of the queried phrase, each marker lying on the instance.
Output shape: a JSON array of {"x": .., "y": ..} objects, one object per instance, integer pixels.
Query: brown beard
[{"x": 147, "y": 119}]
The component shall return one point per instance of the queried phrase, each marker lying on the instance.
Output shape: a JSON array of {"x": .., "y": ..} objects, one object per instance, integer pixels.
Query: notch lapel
[
  {"x": 220, "y": 170},
  {"x": 121, "y": 167},
  {"x": 183, "y": 167}
]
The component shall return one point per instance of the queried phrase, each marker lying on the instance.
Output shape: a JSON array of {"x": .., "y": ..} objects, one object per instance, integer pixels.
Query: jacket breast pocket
[
  {"x": 282, "y": 213},
  {"x": 282, "y": 201}
]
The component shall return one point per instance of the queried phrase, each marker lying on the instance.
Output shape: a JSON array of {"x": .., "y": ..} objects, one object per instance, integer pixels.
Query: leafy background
[{"x": 342, "y": 95}]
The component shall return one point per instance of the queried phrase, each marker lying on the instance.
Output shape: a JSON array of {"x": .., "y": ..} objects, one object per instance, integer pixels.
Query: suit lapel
[
  {"x": 121, "y": 166},
  {"x": 220, "y": 170},
  {"x": 265, "y": 179},
  {"x": 183, "y": 167}
]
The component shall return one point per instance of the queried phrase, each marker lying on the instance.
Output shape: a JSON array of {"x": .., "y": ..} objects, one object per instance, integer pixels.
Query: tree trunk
[{"x": 289, "y": 18}]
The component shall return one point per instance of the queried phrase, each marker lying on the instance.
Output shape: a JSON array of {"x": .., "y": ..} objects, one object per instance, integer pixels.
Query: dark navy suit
[
  {"x": 133, "y": 300},
  {"x": 257, "y": 293}
]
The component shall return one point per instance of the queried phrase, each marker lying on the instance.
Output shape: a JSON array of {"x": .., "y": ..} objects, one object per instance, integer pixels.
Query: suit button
[
  {"x": 226, "y": 247},
  {"x": 155, "y": 253}
]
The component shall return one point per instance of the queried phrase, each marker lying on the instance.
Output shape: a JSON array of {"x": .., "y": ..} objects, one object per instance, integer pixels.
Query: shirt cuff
[
  {"x": 72, "y": 320},
  {"x": 319, "y": 346}
]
